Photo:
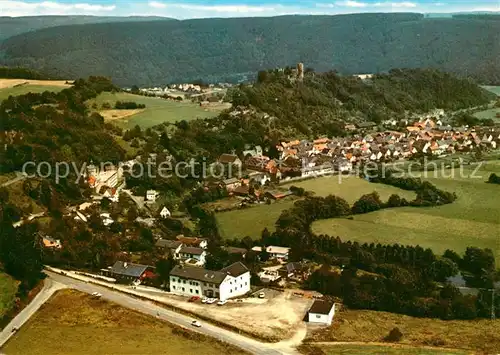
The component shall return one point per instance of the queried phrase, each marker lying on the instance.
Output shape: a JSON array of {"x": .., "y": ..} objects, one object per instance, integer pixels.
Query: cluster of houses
[{"x": 304, "y": 158}]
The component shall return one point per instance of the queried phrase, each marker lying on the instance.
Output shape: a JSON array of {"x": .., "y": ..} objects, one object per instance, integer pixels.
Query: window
[
  {"x": 318, "y": 316},
  {"x": 196, "y": 291},
  {"x": 190, "y": 290},
  {"x": 245, "y": 283},
  {"x": 183, "y": 289},
  {"x": 205, "y": 284},
  {"x": 173, "y": 287},
  {"x": 173, "y": 280}
]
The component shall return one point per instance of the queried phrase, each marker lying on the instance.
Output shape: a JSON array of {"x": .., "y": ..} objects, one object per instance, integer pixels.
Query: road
[
  {"x": 19, "y": 177},
  {"x": 49, "y": 287},
  {"x": 149, "y": 308}
]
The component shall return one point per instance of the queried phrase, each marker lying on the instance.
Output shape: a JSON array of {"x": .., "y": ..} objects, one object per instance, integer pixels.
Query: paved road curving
[
  {"x": 50, "y": 286},
  {"x": 149, "y": 308}
]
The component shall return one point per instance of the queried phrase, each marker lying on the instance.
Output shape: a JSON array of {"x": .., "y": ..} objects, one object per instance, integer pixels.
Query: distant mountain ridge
[
  {"x": 12, "y": 26},
  {"x": 158, "y": 52}
]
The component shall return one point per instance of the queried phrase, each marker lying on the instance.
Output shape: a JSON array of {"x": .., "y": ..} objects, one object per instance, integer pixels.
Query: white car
[
  {"x": 195, "y": 323},
  {"x": 222, "y": 302},
  {"x": 211, "y": 300},
  {"x": 262, "y": 295},
  {"x": 96, "y": 294},
  {"x": 204, "y": 300}
]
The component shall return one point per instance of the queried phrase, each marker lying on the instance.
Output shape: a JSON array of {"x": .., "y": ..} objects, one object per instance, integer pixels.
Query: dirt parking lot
[{"x": 276, "y": 317}]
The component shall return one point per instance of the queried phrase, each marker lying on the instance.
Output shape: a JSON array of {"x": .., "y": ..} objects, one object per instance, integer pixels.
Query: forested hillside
[
  {"x": 154, "y": 53},
  {"x": 11, "y": 26},
  {"x": 320, "y": 105},
  {"x": 54, "y": 127}
]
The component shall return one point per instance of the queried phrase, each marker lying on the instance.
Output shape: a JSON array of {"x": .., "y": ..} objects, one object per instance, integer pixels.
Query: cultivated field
[
  {"x": 8, "y": 86},
  {"x": 75, "y": 323},
  {"x": 251, "y": 221},
  {"x": 478, "y": 336},
  {"x": 157, "y": 110},
  {"x": 8, "y": 289},
  {"x": 472, "y": 220}
]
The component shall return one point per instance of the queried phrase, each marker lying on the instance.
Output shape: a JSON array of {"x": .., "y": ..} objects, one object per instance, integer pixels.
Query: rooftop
[
  {"x": 196, "y": 273},
  {"x": 166, "y": 243},
  {"x": 192, "y": 250},
  {"x": 235, "y": 269},
  {"x": 128, "y": 269},
  {"x": 321, "y": 307}
]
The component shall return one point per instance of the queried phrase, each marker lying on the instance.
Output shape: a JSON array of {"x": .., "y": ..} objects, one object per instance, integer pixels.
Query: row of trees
[{"x": 128, "y": 105}]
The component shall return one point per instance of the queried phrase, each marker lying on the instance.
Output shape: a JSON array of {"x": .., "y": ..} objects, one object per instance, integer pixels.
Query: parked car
[
  {"x": 14, "y": 330},
  {"x": 262, "y": 295},
  {"x": 96, "y": 294},
  {"x": 221, "y": 302},
  {"x": 211, "y": 300},
  {"x": 194, "y": 299},
  {"x": 195, "y": 323},
  {"x": 204, "y": 300}
]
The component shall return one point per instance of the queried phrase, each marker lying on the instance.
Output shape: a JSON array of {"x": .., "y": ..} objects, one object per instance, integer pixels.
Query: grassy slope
[
  {"x": 384, "y": 350},
  {"x": 21, "y": 90},
  {"x": 491, "y": 113},
  {"x": 471, "y": 221},
  {"x": 253, "y": 220},
  {"x": 75, "y": 323},
  {"x": 157, "y": 110},
  {"x": 371, "y": 326},
  {"x": 8, "y": 289},
  {"x": 493, "y": 89}
]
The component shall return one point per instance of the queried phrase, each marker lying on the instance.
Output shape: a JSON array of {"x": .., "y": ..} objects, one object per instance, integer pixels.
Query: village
[{"x": 277, "y": 278}]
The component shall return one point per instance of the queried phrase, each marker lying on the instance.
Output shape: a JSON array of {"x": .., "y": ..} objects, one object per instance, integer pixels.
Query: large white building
[{"x": 232, "y": 281}]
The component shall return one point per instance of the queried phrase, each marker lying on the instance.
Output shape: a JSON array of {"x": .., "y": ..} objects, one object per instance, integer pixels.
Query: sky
[{"x": 185, "y": 9}]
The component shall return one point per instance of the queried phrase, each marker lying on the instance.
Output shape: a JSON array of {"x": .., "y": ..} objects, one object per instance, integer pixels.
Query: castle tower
[{"x": 300, "y": 71}]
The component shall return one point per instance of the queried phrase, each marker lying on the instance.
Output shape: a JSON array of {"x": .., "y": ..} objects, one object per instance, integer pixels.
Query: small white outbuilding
[{"x": 321, "y": 312}]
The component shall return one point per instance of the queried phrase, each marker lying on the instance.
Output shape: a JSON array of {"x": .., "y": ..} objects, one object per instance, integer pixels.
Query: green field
[
  {"x": 491, "y": 113},
  {"x": 472, "y": 220},
  {"x": 21, "y": 90},
  {"x": 157, "y": 110},
  {"x": 251, "y": 221},
  {"x": 493, "y": 89},
  {"x": 75, "y": 323},
  {"x": 8, "y": 289}
]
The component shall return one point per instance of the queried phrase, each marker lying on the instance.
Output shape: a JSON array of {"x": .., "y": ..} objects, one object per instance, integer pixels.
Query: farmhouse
[
  {"x": 230, "y": 159},
  {"x": 321, "y": 312},
  {"x": 232, "y": 281},
  {"x": 171, "y": 246},
  {"x": 193, "y": 255},
  {"x": 49, "y": 242},
  {"x": 193, "y": 241},
  {"x": 151, "y": 195},
  {"x": 274, "y": 251},
  {"x": 128, "y": 272},
  {"x": 165, "y": 212}
]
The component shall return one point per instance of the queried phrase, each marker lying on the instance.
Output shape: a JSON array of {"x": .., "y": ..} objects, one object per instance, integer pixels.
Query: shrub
[{"x": 394, "y": 335}]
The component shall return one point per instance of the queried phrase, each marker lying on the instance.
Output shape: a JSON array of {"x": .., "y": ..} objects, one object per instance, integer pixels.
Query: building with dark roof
[
  {"x": 193, "y": 255},
  {"x": 321, "y": 312},
  {"x": 231, "y": 281},
  {"x": 171, "y": 246},
  {"x": 125, "y": 272}
]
